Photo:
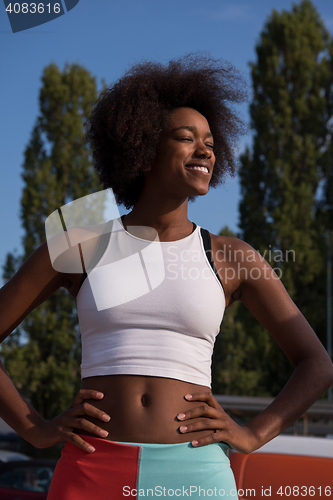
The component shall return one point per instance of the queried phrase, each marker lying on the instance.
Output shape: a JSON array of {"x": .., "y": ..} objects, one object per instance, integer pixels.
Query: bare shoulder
[
  {"x": 243, "y": 262},
  {"x": 71, "y": 252},
  {"x": 234, "y": 249},
  {"x": 236, "y": 261}
]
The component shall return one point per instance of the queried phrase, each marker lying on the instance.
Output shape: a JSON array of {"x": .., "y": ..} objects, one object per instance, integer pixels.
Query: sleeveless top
[{"x": 150, "y": 308}]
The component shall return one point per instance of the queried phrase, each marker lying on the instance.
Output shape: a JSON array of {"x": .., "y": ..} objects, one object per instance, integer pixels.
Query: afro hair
[{"x": 128, "y": 119}]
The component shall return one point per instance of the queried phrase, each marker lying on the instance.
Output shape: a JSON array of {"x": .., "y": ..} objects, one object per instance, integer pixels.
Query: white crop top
[{"x": 150, "y": 308}]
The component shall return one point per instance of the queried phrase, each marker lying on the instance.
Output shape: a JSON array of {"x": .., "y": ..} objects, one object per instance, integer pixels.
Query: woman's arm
[
  {"x": 269, "y": 302},
  {"x": 25, "y": 420},
  {"x": 33, "y": 284}
]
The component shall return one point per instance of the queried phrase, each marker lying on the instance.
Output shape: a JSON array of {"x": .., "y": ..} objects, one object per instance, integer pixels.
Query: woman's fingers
[
  {"x": 216, "y": 426},
  {"x": 219, "y": 428},
  {"x": 81, "y": 407},
  {"x": 212, "y": 438},
  {"x": 206, "y": 397},
  {"x": 90, "y": 410},
  {"x": 84, "y": 394},
  {"x": 86, "y": 425},
  {"x": 214, "y": 419},
  {"x": 74, "y": 418},
  {"x": 201, "y": 425},
  {"x": 79, "y": 442},
  {"x": 210, "y": 407},
  {"x": 200, "y": 411}
]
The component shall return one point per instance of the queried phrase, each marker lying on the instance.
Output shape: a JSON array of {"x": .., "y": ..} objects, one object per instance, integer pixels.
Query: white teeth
[{"x": 203, "y": 169}]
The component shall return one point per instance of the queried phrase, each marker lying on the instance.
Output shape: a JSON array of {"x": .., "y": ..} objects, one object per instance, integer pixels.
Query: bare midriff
[{"x": 144, "y": 409}]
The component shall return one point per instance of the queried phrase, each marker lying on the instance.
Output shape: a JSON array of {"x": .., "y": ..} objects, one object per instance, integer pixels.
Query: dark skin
[{"x": 162, "y": 410}]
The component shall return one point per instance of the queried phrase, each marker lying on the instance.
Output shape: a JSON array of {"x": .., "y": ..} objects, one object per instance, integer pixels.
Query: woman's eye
[{"x": 190, "y": 139}]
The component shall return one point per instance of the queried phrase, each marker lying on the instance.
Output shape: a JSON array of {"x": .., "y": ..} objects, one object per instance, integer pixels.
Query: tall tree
[
  {"x": 282, "y": 174},
  {"x": 325, "y": 202},
  {"x": 43, "y": 358}
]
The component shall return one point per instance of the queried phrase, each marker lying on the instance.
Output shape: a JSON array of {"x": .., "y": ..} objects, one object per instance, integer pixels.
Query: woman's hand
[
  {"x": 215, "y": 419},
  {"x": 61, "y": 428}
]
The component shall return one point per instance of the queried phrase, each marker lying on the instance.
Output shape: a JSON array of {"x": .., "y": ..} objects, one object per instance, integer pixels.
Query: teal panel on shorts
[{"x": 181, "y": 470}]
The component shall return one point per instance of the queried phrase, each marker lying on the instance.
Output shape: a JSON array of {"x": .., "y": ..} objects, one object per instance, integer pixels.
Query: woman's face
[{"x": 185, "y": 159}]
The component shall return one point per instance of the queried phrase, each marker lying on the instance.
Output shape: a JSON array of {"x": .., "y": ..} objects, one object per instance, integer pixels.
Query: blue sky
[{"x": 107, "y": 37}]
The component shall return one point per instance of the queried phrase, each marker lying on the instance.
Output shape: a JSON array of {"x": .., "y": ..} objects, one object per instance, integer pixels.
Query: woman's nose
[{"x": 203, "y": 151}]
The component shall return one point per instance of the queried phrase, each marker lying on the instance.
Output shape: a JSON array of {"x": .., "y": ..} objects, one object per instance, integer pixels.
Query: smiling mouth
[{"x": 204, "y": 170}]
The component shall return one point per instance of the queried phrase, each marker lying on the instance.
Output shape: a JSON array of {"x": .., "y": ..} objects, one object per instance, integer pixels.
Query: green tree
[
  {"x": 235, "y": 366},
  {"x": 282, "y": 173},
  {"x": 43, "y": 356}
]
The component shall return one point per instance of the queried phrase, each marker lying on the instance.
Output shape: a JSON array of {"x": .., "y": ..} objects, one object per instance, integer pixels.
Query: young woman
[{"x": 160, "y": 137}]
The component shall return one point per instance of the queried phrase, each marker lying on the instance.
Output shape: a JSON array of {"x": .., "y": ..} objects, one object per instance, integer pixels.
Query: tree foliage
[
  {"x": 43, "y": 359},
  {"x": 283, "y": 173}
]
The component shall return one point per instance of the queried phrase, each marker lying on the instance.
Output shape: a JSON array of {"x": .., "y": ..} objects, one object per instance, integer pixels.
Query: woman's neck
[{"x": 169, "y": 221}]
